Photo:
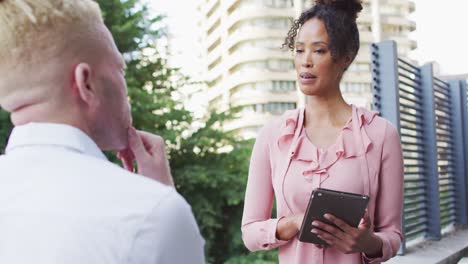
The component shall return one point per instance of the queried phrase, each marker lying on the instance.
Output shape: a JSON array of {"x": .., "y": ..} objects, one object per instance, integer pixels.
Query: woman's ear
[
  {"x": 83, "y": 83},
  {"x": 347, "y": 60}
]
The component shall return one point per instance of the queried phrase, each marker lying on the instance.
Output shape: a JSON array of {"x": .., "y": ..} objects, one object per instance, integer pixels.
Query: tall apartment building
[{"x": 245, "y": 65}]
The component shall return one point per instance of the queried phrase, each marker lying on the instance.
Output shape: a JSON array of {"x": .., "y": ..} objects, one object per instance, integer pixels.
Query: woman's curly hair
[{"x": 339, "y": 17}]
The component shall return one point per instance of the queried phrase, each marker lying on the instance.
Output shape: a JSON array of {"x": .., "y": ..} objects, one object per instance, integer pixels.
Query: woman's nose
[{"x": 307, "y": 62}]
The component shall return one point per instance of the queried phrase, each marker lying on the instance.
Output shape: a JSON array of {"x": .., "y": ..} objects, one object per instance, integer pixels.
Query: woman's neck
[{"x": 327, "y": 111}]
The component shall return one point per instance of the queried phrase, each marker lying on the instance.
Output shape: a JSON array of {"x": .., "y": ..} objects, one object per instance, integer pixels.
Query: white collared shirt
[{"x": 61, "y": 201}]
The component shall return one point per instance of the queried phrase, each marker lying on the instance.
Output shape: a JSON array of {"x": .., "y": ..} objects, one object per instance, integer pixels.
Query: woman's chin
[{"x": 310, "y": 90}]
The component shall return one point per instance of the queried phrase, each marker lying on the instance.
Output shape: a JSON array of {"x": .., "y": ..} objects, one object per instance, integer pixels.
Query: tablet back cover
[{"x": 349, "y": 207}]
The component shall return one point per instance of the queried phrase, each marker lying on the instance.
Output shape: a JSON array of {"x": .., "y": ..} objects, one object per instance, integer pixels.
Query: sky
[
  {"x": 182, "y": 24},
  {"x": 441, "y": 33}
]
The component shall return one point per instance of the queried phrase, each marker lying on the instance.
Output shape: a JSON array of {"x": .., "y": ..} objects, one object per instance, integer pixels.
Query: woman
[{"x": 329, "y": 144}]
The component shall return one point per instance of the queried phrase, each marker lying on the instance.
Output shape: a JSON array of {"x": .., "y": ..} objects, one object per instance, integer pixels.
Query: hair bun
[{"x": 352, "y": 7}]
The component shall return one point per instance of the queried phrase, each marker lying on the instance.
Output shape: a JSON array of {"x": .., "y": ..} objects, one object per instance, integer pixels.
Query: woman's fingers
[
  {"x": 365, "y": 221},
  {"x": 339, "y": 223}
]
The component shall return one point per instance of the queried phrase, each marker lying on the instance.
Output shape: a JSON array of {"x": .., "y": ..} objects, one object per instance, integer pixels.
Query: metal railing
[
  {"x": 431, "y": 115},
  {"x": 445, "y": 152}
]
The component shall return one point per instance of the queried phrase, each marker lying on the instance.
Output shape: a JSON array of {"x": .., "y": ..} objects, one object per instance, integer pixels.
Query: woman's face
[{"x": 317, "y": 73}]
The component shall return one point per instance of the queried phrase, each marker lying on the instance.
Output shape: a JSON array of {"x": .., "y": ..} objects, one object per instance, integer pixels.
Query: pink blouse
[{"x": 366, "y": 158}]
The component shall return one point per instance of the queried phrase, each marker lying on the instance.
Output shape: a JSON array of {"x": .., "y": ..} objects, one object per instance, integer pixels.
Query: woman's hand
[
  {"x": 348, "y": 239},
  {"x": 289, "y": 226}
]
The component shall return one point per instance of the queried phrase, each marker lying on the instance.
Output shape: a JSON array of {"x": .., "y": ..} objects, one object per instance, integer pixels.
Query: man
[{"x": 61, "y": 201}]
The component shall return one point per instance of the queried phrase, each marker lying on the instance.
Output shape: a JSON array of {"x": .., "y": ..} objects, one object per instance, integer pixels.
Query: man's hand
[{"x": 150, "y": 155}]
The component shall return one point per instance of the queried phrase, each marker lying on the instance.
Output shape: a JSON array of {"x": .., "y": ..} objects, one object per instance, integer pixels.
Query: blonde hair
[{"x": 34, "y": 33}]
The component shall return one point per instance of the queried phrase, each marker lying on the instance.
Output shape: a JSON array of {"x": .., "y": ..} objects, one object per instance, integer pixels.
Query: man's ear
[{"x": 83, "y": 83}]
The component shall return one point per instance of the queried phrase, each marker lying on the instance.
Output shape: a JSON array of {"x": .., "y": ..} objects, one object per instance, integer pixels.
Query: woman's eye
[
  {"x": 319, "y": 51},
  {"x": 299, "y": 51}
]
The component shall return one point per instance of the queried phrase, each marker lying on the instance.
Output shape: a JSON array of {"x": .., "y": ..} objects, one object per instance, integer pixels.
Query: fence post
[
  {"x": 385, "y": 80},
  {"x": 458, "y": 99},
  {"x": 385, "y": 90},
  {"x": 464, "y": 107},
  {"x": 430, "y": 150}
]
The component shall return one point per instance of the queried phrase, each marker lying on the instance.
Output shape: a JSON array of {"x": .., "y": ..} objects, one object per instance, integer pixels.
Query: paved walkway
[{"x": 448, "y": 250}]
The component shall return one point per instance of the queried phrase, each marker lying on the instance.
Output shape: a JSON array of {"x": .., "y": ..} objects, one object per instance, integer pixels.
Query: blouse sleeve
[
  {"x": 258, "y": 229},
  {"x": 389, "y": 203}
]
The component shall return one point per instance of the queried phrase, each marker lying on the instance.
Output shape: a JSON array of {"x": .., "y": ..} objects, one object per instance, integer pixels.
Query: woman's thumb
[{"x": 366, "y": 221}]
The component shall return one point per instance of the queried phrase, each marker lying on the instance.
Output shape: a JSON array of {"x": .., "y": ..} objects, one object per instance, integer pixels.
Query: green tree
[{"x": 5, "y": 129}]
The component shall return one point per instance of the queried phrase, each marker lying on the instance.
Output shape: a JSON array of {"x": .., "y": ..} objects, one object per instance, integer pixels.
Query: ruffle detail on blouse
[{"x": 347, "y": 144}]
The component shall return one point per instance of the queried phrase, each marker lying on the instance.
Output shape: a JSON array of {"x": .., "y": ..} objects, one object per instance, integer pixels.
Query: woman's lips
[{"x": 307, "y": 78}]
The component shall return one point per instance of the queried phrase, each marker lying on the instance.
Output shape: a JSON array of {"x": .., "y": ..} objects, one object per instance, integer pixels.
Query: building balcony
[
  {"x": 255, "y": 11},
  {"x": 405, "y": 3},
  {"x": 401, "y": 41},
  {"x": 361, "y": 77},
  {"x": 261, "y": 97},
  {"x": 215, "y": 73},
  {"x": 399, "y": 21},
  {"x": 363, "y": 54},
  {"x": 210, "y": 41},
  {"x": 253, "y": 33},
  {"x": 255, "y": 54},
  {"x": 252, "y": 119},
  {"x": 365, "y": 18},
  {"x": 208, "y": 23},
  {"x": 256, "y": 75},
  {"x": 209, "y": 6},
  {"x": 213, "y": 8},
  {"x": 366, "y": 37},
  {"x": 213, "y": 32},
  {"x": 230, "y": 5},
  {"x": 214, "y": 55}
]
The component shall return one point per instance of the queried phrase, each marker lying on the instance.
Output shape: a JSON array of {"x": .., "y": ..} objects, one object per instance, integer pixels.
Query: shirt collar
[{"x": 48, "y": 134}]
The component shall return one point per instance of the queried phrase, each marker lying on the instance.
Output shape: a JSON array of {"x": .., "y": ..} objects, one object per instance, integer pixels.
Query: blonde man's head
[
  {"x": 35, "y": 34},
  {"x": 59, "y": 64}
]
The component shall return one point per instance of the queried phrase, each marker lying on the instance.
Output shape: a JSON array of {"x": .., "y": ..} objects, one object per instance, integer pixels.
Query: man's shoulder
[
  {"x": 120, "y": 179},
  {"x": 171, "y": 224},
  {"x": 110, "y": 186},
  {"x": 94, "y": 182},
  {"x": 126, "y": 193}
]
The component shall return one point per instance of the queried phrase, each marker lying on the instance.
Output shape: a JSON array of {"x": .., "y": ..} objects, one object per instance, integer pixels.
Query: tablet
[{"x": 349, "y": 207}]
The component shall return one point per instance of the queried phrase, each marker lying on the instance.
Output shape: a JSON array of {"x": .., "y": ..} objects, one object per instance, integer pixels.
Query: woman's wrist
[
  {"x": 374, "y": 247},
  {"x": 288, "y": 227}
]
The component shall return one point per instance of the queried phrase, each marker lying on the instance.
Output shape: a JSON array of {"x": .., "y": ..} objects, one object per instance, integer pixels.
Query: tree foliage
[{"x": 5, "y": 129}]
